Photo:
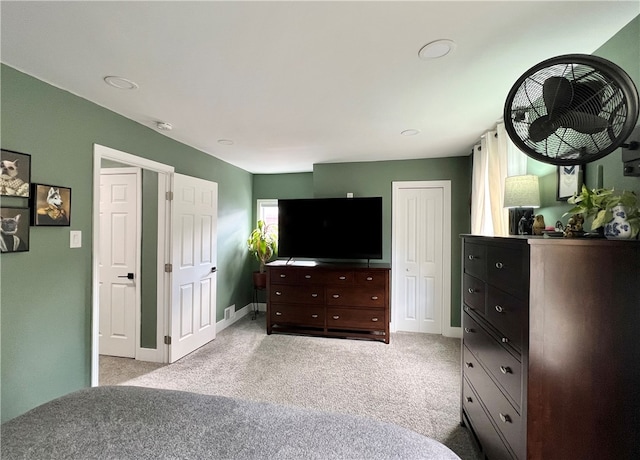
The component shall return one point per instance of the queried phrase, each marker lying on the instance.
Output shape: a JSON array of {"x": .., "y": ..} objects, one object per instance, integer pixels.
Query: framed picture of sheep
[
  {"x": 14, "y": 229},
  {"x": 51, "y": 205},
  {"x": 15, "y": 173}
]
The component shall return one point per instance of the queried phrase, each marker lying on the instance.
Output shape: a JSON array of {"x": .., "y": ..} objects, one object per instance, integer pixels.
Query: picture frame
[
  {"x": 569, "y": 181},
  {"x": 15, "y": 173},
  {"x": 51, "y": 205},
  {"x": 14, "y": 223}
]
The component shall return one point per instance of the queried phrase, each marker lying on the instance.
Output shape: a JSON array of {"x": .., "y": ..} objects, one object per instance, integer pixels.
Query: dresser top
[{"x": 329, "y": 265}]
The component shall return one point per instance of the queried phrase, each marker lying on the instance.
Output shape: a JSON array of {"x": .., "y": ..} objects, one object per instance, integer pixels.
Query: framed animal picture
[
  {"x": 14, "y": 230},
  {"x": 51, "y": 205},
  {"x": 15, "y": 173}
]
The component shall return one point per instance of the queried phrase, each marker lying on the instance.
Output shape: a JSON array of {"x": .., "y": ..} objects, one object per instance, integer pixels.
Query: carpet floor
[{"x": 413, "y": 382}]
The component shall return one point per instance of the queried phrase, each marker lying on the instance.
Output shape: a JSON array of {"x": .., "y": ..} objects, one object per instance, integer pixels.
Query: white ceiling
[{"x": 298, "y": 83}]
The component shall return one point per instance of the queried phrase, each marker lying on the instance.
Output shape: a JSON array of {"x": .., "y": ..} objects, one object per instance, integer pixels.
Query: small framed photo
[
  {"x": 51, "y": 205},
  {"x": 14, "y": 223},
  {"x": 570, "y": 179},
  {"x": 15, "y": 173}
]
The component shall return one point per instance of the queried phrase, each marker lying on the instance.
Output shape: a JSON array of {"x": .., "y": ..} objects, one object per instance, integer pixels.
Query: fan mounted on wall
[{"x": 571, "y": 109}]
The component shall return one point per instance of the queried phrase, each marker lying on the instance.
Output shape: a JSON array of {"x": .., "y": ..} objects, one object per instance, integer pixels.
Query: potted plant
[
  {"x": 604, "y": 204},
  {"x": 263, "y": 244}
]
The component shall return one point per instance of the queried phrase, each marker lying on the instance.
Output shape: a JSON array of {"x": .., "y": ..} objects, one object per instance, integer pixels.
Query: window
[{"x": 268, "y": 211}]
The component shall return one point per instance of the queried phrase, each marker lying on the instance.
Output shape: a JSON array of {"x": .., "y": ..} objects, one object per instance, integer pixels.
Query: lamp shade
[{"x": 521, "y": 192}]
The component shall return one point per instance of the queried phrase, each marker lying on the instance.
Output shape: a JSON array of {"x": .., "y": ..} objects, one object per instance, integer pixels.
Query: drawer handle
[
  {"x": 278, "y": 313},
  {"x": 314, "y": 316},
  {"x": 307, "y": 277},
  {"x": 374, "y": 319},
  {"x": 471, "y": 290},
  {"x": 468, "y": 330},
  {"x": 282, "y": 275},
  {"x": 314, "y": 295},
  {"x": 505, "y": 418},
  {"x": 469, "y": 365},
  {"x": 374, "y": 297},
  {"x": 278, "y": 293},
  {"x": 369, "y": 278},
  {"x": 469, "y": 399},
  {"x": 499, "y": 309},
  {"x": 342, "y": 278},
  {"x": 499, "y": 265},
  {"x": 335, "y": 296},
  {"x": 504, "y": 339},
  {"x": 505, "y": 370},
  {"x": 472, "y": 257},
  {"x": 336, "y": 317}
]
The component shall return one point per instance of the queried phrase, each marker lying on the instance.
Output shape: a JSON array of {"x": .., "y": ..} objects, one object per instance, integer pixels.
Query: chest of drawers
[
  {"x": 495, "y": 283},
  {"x": 349, "y": 301}
]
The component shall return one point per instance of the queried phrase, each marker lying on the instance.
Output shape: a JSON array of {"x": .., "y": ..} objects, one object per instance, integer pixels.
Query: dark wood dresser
[
  {"x": 550, "y": 344},
  {"x": 332, "y": 300}
]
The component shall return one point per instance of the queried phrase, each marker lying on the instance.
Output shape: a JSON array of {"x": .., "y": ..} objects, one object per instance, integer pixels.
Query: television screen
[{"x": 330, "y": 228}]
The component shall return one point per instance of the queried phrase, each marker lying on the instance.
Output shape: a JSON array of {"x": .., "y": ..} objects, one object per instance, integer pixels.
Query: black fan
[{"x": 571, "y": 109}]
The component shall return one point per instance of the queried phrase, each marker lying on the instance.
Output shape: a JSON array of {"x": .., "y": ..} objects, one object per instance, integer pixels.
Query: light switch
[{"x": 75, "y": 239}]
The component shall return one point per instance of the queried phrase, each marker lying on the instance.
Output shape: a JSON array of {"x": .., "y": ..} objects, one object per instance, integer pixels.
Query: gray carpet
[
  {"x": 122, "y": 422},
  {"x": 413, "y": 382}
]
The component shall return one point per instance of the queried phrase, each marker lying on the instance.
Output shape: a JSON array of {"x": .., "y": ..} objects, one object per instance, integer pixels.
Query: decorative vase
[{"x": 618, "y": 228}]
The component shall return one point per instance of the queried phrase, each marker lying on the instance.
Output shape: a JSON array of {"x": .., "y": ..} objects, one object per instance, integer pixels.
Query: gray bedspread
[{"x": 142, "y": 423}]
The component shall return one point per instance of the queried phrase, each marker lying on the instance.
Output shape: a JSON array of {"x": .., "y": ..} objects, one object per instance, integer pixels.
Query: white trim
[
  {"x": 101, "y": 152},
  {"x": 445, "y": 185}
]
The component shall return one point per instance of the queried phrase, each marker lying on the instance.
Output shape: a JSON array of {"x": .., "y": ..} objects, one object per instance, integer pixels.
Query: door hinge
[
  {"x": 168, "y": 268},
  {"x": 167, "y": 340},
  {"x": 169, "y": 196}
]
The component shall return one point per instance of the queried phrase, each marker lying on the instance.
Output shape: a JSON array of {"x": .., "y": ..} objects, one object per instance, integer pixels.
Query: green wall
[
  {"x": 46, "y": 292},
  {"x": 624, "y": 50}
]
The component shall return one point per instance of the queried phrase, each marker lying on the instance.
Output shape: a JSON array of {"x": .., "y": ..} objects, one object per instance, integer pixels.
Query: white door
[
  {"x": 118, "y": 261},
  {"x": 193, "y": 286},
  {"x": 418, "y": 258}
]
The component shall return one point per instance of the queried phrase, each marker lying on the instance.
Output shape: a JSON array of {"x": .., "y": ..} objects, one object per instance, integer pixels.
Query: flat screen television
[{"x": 330, "y": 228}]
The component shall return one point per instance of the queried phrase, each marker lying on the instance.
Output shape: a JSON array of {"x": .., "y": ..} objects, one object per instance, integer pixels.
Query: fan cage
[{"x": 608, "y": 94}]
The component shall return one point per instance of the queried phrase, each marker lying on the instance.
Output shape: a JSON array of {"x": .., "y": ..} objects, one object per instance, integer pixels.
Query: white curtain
[{"x": 494, "y": 158}]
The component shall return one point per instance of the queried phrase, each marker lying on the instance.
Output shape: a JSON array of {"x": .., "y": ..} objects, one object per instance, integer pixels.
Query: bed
[{"x": 126, "y": 422}]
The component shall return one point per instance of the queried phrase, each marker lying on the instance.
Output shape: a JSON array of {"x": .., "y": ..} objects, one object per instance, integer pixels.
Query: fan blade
[
  {"x": 557, "y": 93},
  {"x": 542, "y": 128},
  {"x": 582, "y": 122}
]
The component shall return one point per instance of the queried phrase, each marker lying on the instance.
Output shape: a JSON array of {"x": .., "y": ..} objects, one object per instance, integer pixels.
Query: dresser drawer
[
  {"x": 505, "y": 417},
  {"x": 503, "y": 366},
  {"x": 507, "y": 270},
  {"x": 475, "y": 260},
  {"x": 473, "y": 292},
  {"x": 356, "y": 296},
  {"x": 339, "y": 277},
  {"x": 507, "y": 314},
  {"x": 298, "y": 315},
  {"x": 283, "y": 293},
  {"x": 356, "y": 318},
  {"x": 371, "y": 279},
  {"x": 283, "y": 275},
  {"x": 310, "y": 276},
  {"x": 492, "y": 445}
]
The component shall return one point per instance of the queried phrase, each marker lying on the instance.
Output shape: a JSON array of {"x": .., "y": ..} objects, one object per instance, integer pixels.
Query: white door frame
[
  {"x": 160, "y": 354},
  {"x": 445, "y": 185}
]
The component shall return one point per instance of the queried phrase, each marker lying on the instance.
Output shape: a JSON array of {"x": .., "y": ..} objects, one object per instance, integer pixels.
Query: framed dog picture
[
  {"x": 14, "y": 230},
  {"x": 570, "y": 180},
  {"x": 51, "y": 205},
  {"x": 15, "y": 173}
]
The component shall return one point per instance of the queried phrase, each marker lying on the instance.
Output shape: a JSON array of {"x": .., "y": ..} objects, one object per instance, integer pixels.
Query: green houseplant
[
  {"x": 599, "y": 203},
  {"x": 263, "y": 244}
]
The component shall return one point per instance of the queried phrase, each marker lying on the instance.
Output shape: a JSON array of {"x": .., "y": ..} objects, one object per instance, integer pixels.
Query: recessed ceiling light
[
  {"x": 225, "y": 142},
  {"x": 436, "y": 49},
  {"x": 120, "y": 83},
  {"x": 410, "y": 132},
  {"x": 163, "y": 126}
]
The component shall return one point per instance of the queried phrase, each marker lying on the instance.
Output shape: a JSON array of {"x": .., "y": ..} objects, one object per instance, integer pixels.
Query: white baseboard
[
  {"x": 455, "y": 332},
  {"x": 244, "y": 311},
  {"x": 151, "y": 355}
]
